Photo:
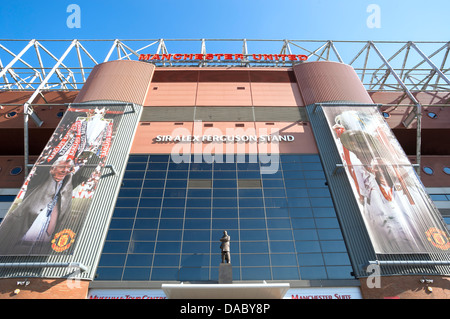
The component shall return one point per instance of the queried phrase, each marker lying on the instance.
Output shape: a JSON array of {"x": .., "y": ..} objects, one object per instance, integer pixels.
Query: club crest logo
[
  {"x": 438, "y": 238},
  {"x": 63, "y": 240}
]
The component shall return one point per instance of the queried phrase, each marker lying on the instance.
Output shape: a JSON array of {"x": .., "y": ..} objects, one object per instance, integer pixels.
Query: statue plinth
[{"x": 225, "y": 273}]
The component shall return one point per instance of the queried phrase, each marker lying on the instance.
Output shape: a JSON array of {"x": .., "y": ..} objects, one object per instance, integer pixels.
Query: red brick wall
[
  {"x": 407, "y": 287},
  {"x": 39, "y": 288}
]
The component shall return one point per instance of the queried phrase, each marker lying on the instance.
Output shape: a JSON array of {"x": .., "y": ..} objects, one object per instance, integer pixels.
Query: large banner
[
  {"x": 50, "y": 209},
  {"x": 399, "y": 215}
]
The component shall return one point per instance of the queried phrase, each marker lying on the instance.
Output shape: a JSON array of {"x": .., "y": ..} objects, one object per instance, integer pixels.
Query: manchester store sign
[{"x": 224, "y": 57}]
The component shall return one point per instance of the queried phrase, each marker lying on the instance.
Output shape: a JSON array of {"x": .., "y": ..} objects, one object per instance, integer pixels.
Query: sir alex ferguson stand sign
[{"x": 48, "y": 213}]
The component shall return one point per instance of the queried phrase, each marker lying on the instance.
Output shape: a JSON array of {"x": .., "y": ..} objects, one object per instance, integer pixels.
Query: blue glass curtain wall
[{"x": 170, "y": 216}]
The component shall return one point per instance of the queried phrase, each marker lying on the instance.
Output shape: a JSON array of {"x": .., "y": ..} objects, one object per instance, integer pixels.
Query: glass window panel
[
  {"x": 159, "y": 158},
  {"x": 152, "y": 192},
  {"x": 321, "y": 202},
  {"x": 200, "y": 167},
  {"x": 252, "y": 223},
  {"x": 118, "y": 235},
  {"x": 290, "y": 158},
  {"x": 275, "y": 202},
  {"x": 296, "y": 192},
  {"x": 250, "y": 192},
  {"x": 277, "y": 212},
  {"x": 197, "y": 223},
  {"x": 310, "y": 273},
  {"x": 295, "y": 183},
  {"x": 224, "y": 174},
  {"x": 155, "y": 175},
  {"x": 224, "y": 202},
  {"x": 131, "y": 183},
  {"x": 150, "y": 202},
  {"x": 117, "y": 247},
  {"x": 198, "y": 212},
  {"x": 307, "y": 246},
  {"x": 144, "y": 235},
  {"x": 336, "y": 259},
  {"x": 104, "y": 273},
  {"x": 305, "y": 234},
  {"x": 225, "y": 192},
  {"x": 174, "y": 202},
  {"x": 314, "y": 183},
  {"x": 285, "y": 273},
  {"x": 225, "y": 213},
  {"x": 256, "y": 273},
  {"x": 251, "y": 212},
  {"x": 198, "y": 202},
  {"x": 272, "y": 174},
  {"x": 164, "y": 274},
  {"x": 303, "y": 223},
  {"x": 292, "y": 167},
  {"x": 112, "y": 260},
  {"x": 129, "y": 192},
  {"x": 136, "y": 273},
  {"x": 314, "y": 174},
  {"x": 255, "y": 260},
  {"x": 139, "y": 260},
  {"x": 249, "y": 175},
  {"x": 196, "y": 247},
  {"x": 312, "y": 166},
  {"x": 177, "y": 174},
  {"x": 324, "y": 212},
  {"x": 280, "y": 234},
  {"x": 124, "y": 212},
  {"x": 273, "y": 183},
  {"x": 154, "y": 183},
  {"x": 293, "y": 175},
  {"x": 339, "y": 272},
  {"x": 333, "y": 246},
  {"x": 197, "y": 235},
  {"x": 127, "y": 202},
  {"x": 138, "y": 158},
  {"x": 224, "y": 183},
  {"x": 168, "y": 247},
  {"x": 176, "y": 183},
  {"x": 224, "y": 166},
  {"x": 172, "y": 213},
  {"x": 278, "y": 223},
  {"x": 156, "y": 167},
  {"x": 170, "y": 223},
  {"x": 195, "y": 260},
  {"x": 251, "y": 202},
  {"x": 330, "y": 234},
  {"x": 225, "y": 224},
  {"x": 250, "y": 235},
  {"x": 199, "y": 192},
  {"x": 299, "y": 202},
  {"x": 194, "y": 273},
  {"x": 141, "y": 247},
  {"x": 274, "y": 192},
  {"x": 134, "y": 174},
  {"x": 248, "y": 166},
  {"x": 310, "y": 259},
  {"x": 327, "y": 223},
  {"x": 310, "y": 158},
  {"x": 319, "y": 192},
  {"x": 254, "y": 247},
  {"x": 175, "y": 192},
  {"x": 178, "y": 166},
  {"x": 300, "y": 212},
  {"x": 282, "y": 246},
  {"x": 171, "y": 260},
  {"x": 121, "y": 223},
  {"x": 148, "y": 213}
]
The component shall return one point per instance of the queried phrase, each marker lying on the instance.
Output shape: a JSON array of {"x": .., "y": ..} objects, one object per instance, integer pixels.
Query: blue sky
[{"x": 252, "y": 19}]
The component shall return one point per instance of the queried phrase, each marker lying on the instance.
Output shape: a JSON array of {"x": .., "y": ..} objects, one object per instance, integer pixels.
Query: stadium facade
[{"x": 326, "y": 162}]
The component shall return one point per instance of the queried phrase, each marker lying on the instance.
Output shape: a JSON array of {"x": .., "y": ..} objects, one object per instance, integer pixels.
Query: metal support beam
[
  {"x": 418, "y": 106},
  {"x": 28, "y": 110},
  {"x": 435, "y": 68}
]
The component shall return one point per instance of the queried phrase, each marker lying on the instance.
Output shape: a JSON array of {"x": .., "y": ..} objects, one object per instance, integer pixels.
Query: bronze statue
[{"x": 225, "y": 247}]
